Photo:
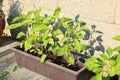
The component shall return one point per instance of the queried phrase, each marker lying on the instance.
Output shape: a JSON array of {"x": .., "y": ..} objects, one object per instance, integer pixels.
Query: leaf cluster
[
  {"x": 106, "y": 66},
  {"x": 61, "y": 36}
]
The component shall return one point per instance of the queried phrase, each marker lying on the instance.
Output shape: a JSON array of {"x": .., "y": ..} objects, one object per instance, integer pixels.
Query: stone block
[
  {"x": 117, "y": 13},
  {"x": 100, "y": 10}
]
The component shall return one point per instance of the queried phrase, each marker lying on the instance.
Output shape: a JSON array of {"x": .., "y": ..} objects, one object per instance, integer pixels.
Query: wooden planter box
[{"x": 49, "y": 69}]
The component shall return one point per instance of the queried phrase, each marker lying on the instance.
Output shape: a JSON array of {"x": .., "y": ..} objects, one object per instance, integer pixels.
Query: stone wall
[{"x": 104, "y": 14}]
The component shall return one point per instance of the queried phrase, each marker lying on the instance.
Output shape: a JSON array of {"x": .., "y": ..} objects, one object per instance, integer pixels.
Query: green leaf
[
  {"x": 27, "y": 45},
  {"x": 57, "y": 12},
  {"x": 117, "y": 37},
  {"x": 54, "y": 48},
  {"x": 3, "y": 73},
  {"x": 79, "y": 47},
  {"x": 36, "y": 13},
  {"x": 21, "y": 45},
  {"x": 84, "y": 28},
  {"x": 30, "y": 13},
  {"x": 39, "y": 28},
  {"x": 79, "y": 35},
  {"x": 92, "y": 64},
  {"x": 117, "y": 48},
  {"x": 116, "y": 68},
  {"x": 39, "y": 52},
  {"x": 47, "y": 19},
  {"x": 63, "y": 40},
  {"x": 83, "y": 47},
  {"x": 20, "y": 24},
  {"x": 113, "y": 71},
  {"x": 106, "y": 78},
  {"x": 69, "y": 30},
  {"x": 98, "y": 76},
  {"x": 63, "y": 51},
  {"x": 71, "y": 60},
  {"x": 104, "y": 57},
  {"x": 46, "y": 34},
  {"x": 112, "y": 62},
  {"x": 43, "y": 58},
  {"x": 16, "y": 19},
  {"x": 31, "y": 38},
  {"x": 20, "y": 35},
  {"x": 46, "y": 41},
  {"x": 32, "y": 50},
  {"x": 56, "y": 32},
  {"x": 109, "y": 51},
  {"x": 118, "y": 59},
  {"x": 81, "y": 23},
  {"x": 14, "y": 68},
  {"x": 64, "y": 19}
]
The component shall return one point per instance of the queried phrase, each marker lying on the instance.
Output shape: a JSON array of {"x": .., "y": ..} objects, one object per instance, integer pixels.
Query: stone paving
[{"x": 8, "y": 64}]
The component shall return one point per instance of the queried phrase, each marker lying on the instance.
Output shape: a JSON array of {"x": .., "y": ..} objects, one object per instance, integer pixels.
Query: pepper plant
[
  {"x": 51, "y": 34},
  {"x": 107, "y": 65}
]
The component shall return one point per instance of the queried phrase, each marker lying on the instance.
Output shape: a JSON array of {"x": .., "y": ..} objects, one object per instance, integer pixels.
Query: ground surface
[{"x": 8, "y": 64}]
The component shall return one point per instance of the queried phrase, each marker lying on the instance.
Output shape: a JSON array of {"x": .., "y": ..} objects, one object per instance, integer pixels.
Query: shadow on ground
[{"x": 6, "y": 41}]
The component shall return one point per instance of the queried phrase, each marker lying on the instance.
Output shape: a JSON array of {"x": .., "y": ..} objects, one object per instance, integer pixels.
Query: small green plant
[
  {"x": 118, "y": 39},
  {"x": 105, "y": 66},
  {"x": 14, "y": 68},
  {"x": 51, "y": 35},
  {"x": 3, "y": 74}
]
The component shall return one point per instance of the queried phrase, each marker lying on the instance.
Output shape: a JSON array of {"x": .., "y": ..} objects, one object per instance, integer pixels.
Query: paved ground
[{"x": 9, "y": 69}]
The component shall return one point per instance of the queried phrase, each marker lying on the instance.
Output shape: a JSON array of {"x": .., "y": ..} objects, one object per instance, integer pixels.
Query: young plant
[
  {"x": 105, "y": 66},
  {"x": 50, "y": 36},
  {"x": 118, "y": 39}
]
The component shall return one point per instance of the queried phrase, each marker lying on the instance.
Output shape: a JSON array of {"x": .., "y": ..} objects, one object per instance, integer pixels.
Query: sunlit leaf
[
  {"x": 109, "y": 51},
  {"x": 54, "y": 48},
  {"x": 47, "y": 19},
  {"x": 93, "y": 65},
  {"x": 82, "y": 23},
  {"x": 20, "y": 24},
  {"x": 117, "y": 48},
  {"x": 56, "y": 32},
  {"x": 42, "y": 59},
  {"x": 30, "y": 13},
  {"x": 117, "y": 37},
  {"x": 57, "y": 12},
  {"x": 36, "y": 13},
  {"x": 104, "y": 57},
  {"x": 84, "y": 28},
  {"x": 46, "y": 34},
  {"x": 39, "y": 52},
  {"x": 64, "y": 19},
  {"x": 39, "y": 28},
  {"x": 20, "y": 35},
  {"x": 27, "y": 45},
  {"x": 46, "y": 41},
  {"x": 112, "y": 62},
  {"x": 63, "y": 51},
  {"x": 69, "y": 30},
  {"x": 79, "y": 47},
  {"x": 70, "y": 60},
  {"x": 98, "y": 76},
  {"x": 63, "y": 40}
]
